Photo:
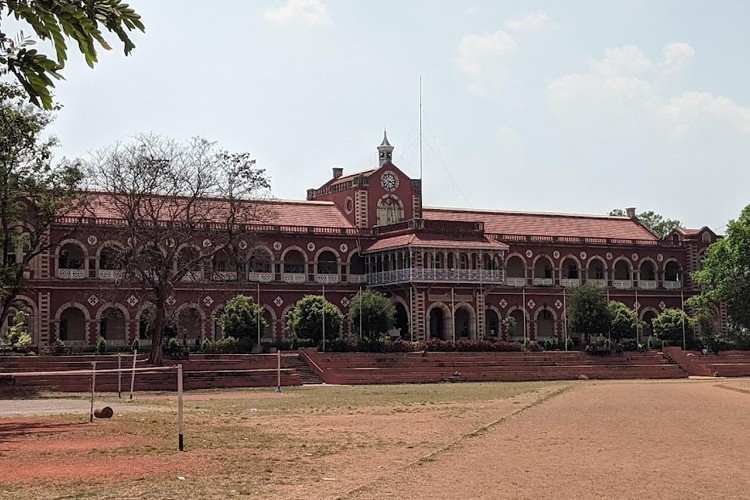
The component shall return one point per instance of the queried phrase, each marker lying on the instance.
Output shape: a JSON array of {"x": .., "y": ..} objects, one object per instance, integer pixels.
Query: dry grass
[{"x": 251, "y": 442}]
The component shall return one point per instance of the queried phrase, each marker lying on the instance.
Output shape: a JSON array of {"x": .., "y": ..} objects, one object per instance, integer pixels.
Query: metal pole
[
  {"x": 258, "y": 314},
  {"x": 132, "y": 377},
  {"x": 523, "y": 298},
  {"x": 682, "y": 305},
  {"x": 360, "y": 312},
  {"x": 93, "y": 390},
  {"x": 637, "y": 318},
  {"x": 453, "y": 314},
  {"x": 180, "y": 439},
  {"x": 324, "y": 317},
  {"x": 278, "y": 372},
  {"x": 565, "y": 321},
  {"x": 119, "y": 376}
]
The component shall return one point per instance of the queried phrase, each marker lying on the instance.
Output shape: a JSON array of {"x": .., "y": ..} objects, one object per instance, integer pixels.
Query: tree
[
  {"x": 587, "y": 309},
  {"x": 35, "y": 195},
  {"x": 242, "y": 317},
  {"x": 175, "y": 206},
  {"x": 81, "y": 21},
  {"x": 306, "y": 318},
  {"x": 624, "y": 323},
  {"x": 510, "y": 324},
  {"x": 725, "y": 276},
  {"x": 669, "y": 326},
  {"x": 377, "y": 313},
  {"x": 655, "y": 222}
]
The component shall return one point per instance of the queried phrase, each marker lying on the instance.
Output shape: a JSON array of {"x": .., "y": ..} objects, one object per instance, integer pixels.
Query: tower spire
[{"x": 385, "y": 150}]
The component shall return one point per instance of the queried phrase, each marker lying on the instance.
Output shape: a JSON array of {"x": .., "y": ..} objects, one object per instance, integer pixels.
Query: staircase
[{"x": 306, "y": 374}]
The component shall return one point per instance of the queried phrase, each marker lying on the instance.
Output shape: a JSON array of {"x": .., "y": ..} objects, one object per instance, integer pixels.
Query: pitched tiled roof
[
  {"x": 277, "y": 212},
  {"x": 435, "y": 241},
  {"x": 546, "y": 224}
]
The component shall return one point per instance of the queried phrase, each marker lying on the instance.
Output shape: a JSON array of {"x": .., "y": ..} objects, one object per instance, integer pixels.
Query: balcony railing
[
  {"x": 224, "y": 275},
  {"x": 293, "y": 277},
  {"x": 622, "y": 284},
  {"x": 327, "y": 278},
  {"x": 672, "y": 285},
  {"x": 71, "y": 274},
  {"x": 260, "y": 277},
  {"x": 542, "y": 281},
  {"x": 111, "y": 274},
  {"x": 192, "y": 277},
  {"x": 647, "y": 284},
  {"x": 519, "y": 282},
  {"x": 601, "y": 283},
  {"x": 568, "y": 282},
  {"x": 357, "y": 278},
  {"x": 440, "y": 275}
]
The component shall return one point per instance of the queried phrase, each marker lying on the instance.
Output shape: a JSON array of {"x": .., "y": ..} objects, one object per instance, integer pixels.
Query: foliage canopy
[
  {"x": 34, "y": 194},
  {"x": 656, "y": 222},
  {"x": 726, "y": 272},
  {"x": 83, "y": 21},
  {"x": 587, "y": 309},
  {"x": 377, "y": 313},
  {"x": 242, "y": 318},
  {"x": 305, "y": 320}
]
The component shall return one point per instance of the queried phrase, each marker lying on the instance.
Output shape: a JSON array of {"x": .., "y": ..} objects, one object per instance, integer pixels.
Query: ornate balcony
[
  {"x": 622, "y": 284},
  {"x": 293, "y": 277},
  {"x": 569, "y": 282},
  {"x": 647, "y": 284},
  {"x": 601, "y": 283},
  {"x": 192, "y": 277},
  {"x": 519, "y": 282},
  {"x": 71, "y": 274},
  {"x": 224, "y": 276},
  {"x": 417, "y": 274},
  {"x": 111, "y": 274},
  {"x": 327, "y": 278},
  {"x": 357, "y": 278},
  {"x": 260, "y": 277},
  {"x": 542, "y": 281},
  {"x": 672, "y": 285}
]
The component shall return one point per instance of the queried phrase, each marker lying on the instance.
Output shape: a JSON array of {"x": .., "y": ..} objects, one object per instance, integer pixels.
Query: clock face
[{"x": 389, "y": 181}]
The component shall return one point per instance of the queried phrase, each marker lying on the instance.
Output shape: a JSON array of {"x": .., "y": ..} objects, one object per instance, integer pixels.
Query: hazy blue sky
[{"x": 575, "y": 106}]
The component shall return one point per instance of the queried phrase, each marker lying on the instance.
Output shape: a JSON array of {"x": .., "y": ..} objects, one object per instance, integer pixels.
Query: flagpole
[
  {"x": 258, "y": 314},
  {"x": 453, "y": 315},
  {"x": 682, "y": 305},
  {"x": 523, "y": 298},
  {"x": 565, "y": 321},
  {"x": 637, "y": 319}
]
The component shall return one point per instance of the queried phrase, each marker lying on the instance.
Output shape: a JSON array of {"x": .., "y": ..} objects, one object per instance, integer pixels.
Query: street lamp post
[{"x": 682, "y": 305}]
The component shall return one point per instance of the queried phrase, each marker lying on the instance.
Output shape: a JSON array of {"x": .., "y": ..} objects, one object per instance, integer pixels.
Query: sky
[{"x": 577, "y": 107}]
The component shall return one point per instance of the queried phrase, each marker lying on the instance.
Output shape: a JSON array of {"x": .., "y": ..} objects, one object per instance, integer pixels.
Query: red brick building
[{"x": 452, "y": 273}]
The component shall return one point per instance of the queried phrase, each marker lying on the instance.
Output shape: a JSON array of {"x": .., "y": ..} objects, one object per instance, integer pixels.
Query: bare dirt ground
[{"x": 629, "y": 439}]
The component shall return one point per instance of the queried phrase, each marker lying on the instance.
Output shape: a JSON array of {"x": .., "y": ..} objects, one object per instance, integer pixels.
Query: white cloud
[
  {"x": 308, "y": 12},
  {"x": 677, "y": 56},
  {"x": 538, "y": 21},
  {"x": 621, "y": 117},
  {"x": 623, "y": 61},
  {"x": 484, "y": 60}
]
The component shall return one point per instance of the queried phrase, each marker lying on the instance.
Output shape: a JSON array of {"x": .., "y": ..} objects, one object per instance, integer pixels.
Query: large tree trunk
[{"x": 157, "y": 338}]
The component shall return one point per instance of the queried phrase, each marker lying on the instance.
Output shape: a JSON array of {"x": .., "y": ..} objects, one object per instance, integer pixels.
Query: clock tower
[{"x": 385, "y": 151}]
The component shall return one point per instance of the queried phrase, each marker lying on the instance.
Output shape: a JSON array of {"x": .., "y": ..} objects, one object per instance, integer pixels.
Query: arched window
[
  {"x": 389, "y": 211},
  {"x": 327, "y": 263},
  {"x": 294, "y": 262}
]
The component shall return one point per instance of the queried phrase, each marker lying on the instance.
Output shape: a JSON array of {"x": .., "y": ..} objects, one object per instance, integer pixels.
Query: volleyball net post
[{"x": 93, "y": 372}]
